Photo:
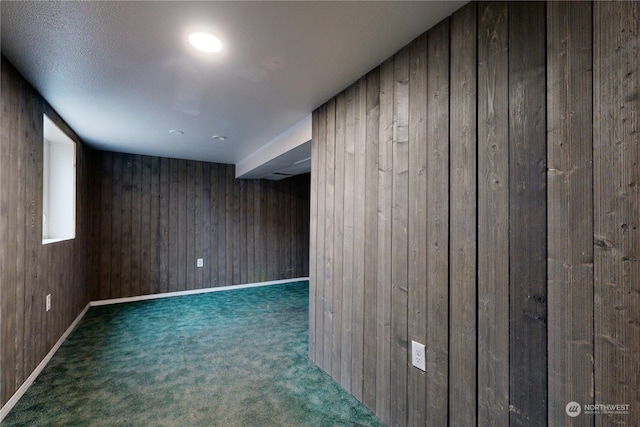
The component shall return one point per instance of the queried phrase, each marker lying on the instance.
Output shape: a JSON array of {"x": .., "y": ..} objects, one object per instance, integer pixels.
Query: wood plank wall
[
  {"x": 157, "y": 216},
  {"x": 28, "y": 270},
  {"x": 141, "y": 224},
  {"x": 495, "y": 147}
]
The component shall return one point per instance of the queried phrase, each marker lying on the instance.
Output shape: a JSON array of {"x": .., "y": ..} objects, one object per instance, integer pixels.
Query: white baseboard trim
[
  {"x": 4, "y": 411},
  {"x": 193, "y": 292}
]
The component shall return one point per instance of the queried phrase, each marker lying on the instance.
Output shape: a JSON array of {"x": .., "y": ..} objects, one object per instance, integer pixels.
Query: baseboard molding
[
  {"x": 4, "y": 411},
  {"x": 193, "y": 292}
]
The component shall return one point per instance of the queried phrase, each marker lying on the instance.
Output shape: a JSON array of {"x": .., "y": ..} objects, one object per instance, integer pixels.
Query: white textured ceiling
[{"x": 122, "y": 74}]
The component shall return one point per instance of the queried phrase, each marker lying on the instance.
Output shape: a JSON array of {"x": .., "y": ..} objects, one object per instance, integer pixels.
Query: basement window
[{"x": 58, "y": 185}]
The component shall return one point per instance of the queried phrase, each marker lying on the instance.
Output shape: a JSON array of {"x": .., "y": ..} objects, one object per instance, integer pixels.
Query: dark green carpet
[{"x": 228, "y": 358}]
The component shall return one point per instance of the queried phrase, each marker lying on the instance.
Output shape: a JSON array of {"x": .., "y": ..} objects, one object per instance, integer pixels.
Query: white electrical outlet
[
  {"x": 418, "y": 356},
  {"x": 48, "y": 302},
  {"x": 200, "y": 262}
]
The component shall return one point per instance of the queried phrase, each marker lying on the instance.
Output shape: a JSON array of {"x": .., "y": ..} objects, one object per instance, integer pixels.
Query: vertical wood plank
[
  {"x": 357, "y": 341},
  {"x": 156, "y": 225},
  {"x": 95, "y": 198},
  {"x": 222, "y": 226},
  {"x": 236, "y": 245},
  {"x": 106, "y": 172},
  {"x": 251, "y": 247},
  {"x": 174, "y": 223},
  {"x": 399, "y": 239},
  {"x": 313, "y": 235},
  {"x": 338, "y": 236},
  {"x": 264, "y": 220},
  {"x": 228, "y": 249},
  {"x": 10, "y": 130},
  {"x": 147, "y": 229},
  {"x": 206, "y": 233},
  {"x": 371, "y": 241},
  {"x": 229, "y": 194},
  {"x": 328, "y": 281},
  {"x": 136, "y": 224},
  {"x": 182, "y": 219},
  {"x": 190, "y": 226},
  {"x": 273, "y": 253},
  {"x": 437, "y": 231},
  {"x": 493, "y": 215},
  {"x": 417, "y": 262},
  {"x": 198, "y": 223},
  {"x": 305, "y": 223},
  {"x": 527, "y": 215},
  {"x": 383, "y": 282},
  {"x": 244, "y": 231},
  {"x": 321, "y": 238},
  {"x": 570, "y": 208},
  {"x": 347, "y": 245},
  {"x": 126, "y": 227},
  {"x": 116, "y": 227},
  {"x": 32, "y": 184},
  {"x": 616, "y": 144},
  {"x": 21, "y": 342},
  {"x": 462, "y": 222},
  {"x": 164, "y": 251},
  {"x": 284, "y": 227},
  {"x": 154, "y": 232},
  {"x": 215, "y": 225}
]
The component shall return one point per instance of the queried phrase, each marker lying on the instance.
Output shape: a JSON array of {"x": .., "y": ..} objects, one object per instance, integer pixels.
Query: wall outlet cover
[{"x": 418, "y": 355}]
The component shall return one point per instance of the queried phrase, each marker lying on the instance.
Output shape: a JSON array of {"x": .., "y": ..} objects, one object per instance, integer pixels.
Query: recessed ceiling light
[
  {"x": 176, "y": 132},
  {"x": 219, "y": 137},
  {"x": 205, "y": 42}
]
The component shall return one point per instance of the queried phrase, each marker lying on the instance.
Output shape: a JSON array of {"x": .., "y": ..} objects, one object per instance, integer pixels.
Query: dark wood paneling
[
  {"x": 371, "y": 242},
  {"x": 103, "y": 290},
  {"x": 437, "y": 230},
  {"x": 417, "y": 292},
  {"x": 616, "y": 157},
  {"x": 399, "y": 238},
  {"x": 29, "y": 270},
  {"x": 193, "y": 210},
  {"x": 163, "y": 227},
  {"x": 527, "y": 215},
  {"x": 338, "y": 236},
  {"x": 493, "y": 215},
  {"x": 359, "y": 237},
  {"x": 115, "y": 248},
  {"x": 462, "y": 223},
  {"x": 489, "y": 191},
  {"x": 330, "y": 208},
  {"x": 314, "y": 247},
  {"x": 321, "y": 238},
  {"x": 570, "y": 206},
  {"x": 347, "y": 241},
  {"x": 383, "y": 285},
  {"x": 145, "y": 229},
  {"x": 125, "y": 249}
]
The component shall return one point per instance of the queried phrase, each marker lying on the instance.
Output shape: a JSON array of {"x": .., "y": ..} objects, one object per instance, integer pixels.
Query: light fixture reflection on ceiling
[
  {"x": 205, "y": 42},
  {"x": 219, "y": 137}
]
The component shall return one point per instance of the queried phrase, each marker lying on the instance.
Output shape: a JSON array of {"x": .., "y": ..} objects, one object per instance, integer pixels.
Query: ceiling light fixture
[
  {"x": 205, "y": 42},
  {"x": 219, "y": 137},
  {"x": 176, "y": 132}
]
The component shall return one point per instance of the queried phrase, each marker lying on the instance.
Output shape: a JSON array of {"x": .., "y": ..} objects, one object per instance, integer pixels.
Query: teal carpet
[{"x": 228, "y": 358}]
